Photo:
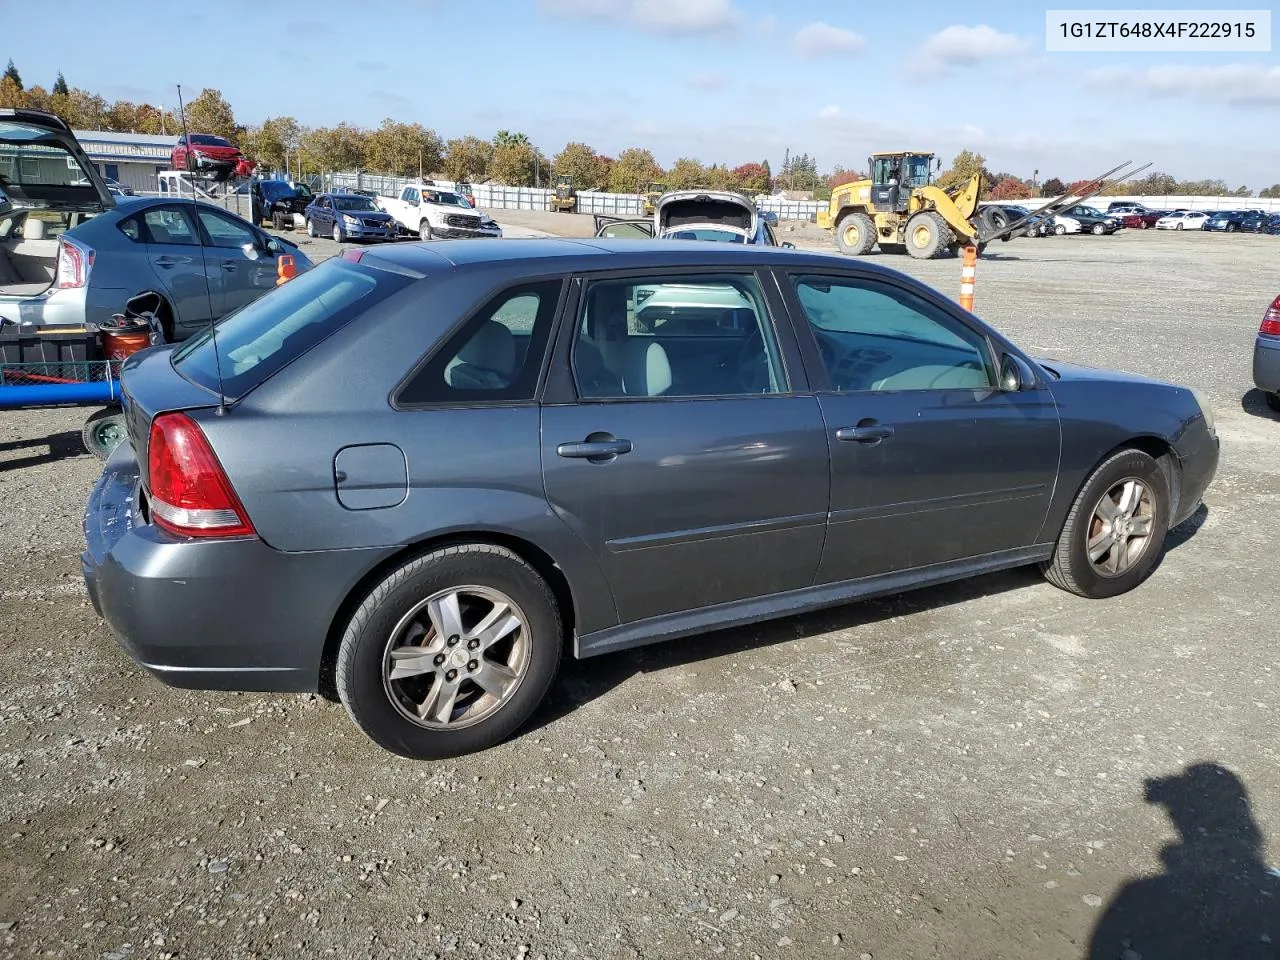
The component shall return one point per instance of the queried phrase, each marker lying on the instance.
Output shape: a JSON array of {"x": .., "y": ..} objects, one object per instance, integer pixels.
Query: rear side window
[
  {"x": 271, "y": 332},
  {"x": 495, "y": 356},
  {"x": 169, "y": 225}
]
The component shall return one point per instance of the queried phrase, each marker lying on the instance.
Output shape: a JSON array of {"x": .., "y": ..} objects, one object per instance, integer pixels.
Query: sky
[{"x": 722, "y": 81}]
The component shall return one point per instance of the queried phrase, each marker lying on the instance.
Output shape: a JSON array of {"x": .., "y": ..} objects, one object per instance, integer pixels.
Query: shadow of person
[{"x": 1216, "y": 899}]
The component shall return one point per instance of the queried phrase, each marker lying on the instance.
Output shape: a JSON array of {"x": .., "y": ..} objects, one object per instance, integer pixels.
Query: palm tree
[{"x": 505, "y": 138}]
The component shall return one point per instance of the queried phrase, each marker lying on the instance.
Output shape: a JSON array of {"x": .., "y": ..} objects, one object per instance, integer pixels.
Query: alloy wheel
[
  {"x": 457, "y": 657},
  {"x": 1121, "y": 527}
]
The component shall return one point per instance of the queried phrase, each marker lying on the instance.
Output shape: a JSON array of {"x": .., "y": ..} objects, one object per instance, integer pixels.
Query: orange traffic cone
[
  {"x": 285, "y": 269},
  {"x": 968, "y": 276}
]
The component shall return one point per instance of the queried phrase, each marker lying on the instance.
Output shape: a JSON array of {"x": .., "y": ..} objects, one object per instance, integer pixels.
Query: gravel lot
[{"x": 957, "y": 772}]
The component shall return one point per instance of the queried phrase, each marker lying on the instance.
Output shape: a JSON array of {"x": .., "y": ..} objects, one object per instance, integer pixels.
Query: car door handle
[
  {"x": 229, "y": 265},
  {"x": 596, "y": 450},
  {"x": 866, "y": 432},
  {"x": 171, "y": 261}
]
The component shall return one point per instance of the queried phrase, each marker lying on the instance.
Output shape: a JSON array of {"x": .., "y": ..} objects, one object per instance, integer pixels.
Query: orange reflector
[{"x": 285, "y": 269}]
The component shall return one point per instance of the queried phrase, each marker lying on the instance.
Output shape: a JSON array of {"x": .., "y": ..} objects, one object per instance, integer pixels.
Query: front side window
[
  {"x": 496, "y": 356},
  {"x": 695, "y": 336},
  {"x": 628, "y": 230},
  {"x": 875, "y": 336}
]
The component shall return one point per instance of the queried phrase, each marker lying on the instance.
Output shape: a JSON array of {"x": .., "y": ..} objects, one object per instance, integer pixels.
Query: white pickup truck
[{"x": 434, "y": 213}]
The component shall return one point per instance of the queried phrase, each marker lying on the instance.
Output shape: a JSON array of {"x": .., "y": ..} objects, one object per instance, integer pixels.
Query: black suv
[{"x": 278, "y": 201}]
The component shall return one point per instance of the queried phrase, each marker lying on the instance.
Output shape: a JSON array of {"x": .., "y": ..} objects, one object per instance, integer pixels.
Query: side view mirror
[
  {"x": 1015, "y": 374},
  {"x": 788, "y": 245}
]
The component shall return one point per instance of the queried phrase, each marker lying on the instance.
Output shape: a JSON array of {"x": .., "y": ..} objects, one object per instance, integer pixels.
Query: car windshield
[
  {"x": 204, "y": 140},
  {"x": 263, "y": 337},
  {"x": 722, "y": 236},
  {"x": 355, "y": 203},
  {"x": 275, "y": 189},
  {"x": 449, "y": 199}
]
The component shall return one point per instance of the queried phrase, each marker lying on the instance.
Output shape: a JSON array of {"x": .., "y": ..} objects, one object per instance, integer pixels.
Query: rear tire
[
  {"x": 927, "y": 235},
  {"x": 383, "y": 692},
  {"x": 1273, "y": 401},
  {"x": 1121, "y": 516},
  {"x": 855, "y": 234}
]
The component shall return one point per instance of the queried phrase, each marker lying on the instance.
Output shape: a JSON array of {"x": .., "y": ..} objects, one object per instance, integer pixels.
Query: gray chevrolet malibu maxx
[{"x": 417, "y": 475}]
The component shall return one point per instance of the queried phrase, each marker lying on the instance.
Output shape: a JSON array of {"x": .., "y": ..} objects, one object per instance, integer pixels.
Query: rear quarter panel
[{"x": 470, "y": 470}]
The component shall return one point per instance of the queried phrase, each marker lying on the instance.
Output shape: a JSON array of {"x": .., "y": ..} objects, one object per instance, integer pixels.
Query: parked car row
[{"x": 1084, "y": 218}]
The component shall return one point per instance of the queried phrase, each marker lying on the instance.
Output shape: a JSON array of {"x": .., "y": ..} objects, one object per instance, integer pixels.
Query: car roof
[{"x": 553, "y": 254}]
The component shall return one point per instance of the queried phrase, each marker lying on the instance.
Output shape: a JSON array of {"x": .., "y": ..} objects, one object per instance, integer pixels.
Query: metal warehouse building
[{"x": 133, "y": 159}]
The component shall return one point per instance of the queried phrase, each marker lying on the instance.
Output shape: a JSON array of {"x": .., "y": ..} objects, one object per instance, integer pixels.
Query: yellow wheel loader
[
  {"x": 651, "y": 195},
  {"x": 900, "y": 206},
  {"x": 566, "y": 196}
]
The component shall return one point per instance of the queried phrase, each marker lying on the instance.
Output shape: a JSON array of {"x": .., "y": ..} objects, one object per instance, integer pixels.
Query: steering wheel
[{"x": 753, "y": 365}]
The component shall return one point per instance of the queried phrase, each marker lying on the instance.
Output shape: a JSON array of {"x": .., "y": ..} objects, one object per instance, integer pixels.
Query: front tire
[
  {"x": 1060, "y": 230},
  {"x": 337, "y": 233},
  {"x": 927, "y": 235},
  {"x": 1115, "y": 528},
  {"x": 855, "y": 234},
  {"x": 450, "y": 653},
  {"x": 1099, "y": 229},
  {"x": 424, "y": 230},
  {"x": 1273, "y": 401},
  {"x": 311, "y": 228}
]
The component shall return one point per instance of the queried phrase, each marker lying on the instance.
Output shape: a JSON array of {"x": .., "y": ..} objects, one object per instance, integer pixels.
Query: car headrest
[
  {"x": 33, "y": 229},
  {"x": 646, "y": 370},
  {"x": 492, "y": 348}
]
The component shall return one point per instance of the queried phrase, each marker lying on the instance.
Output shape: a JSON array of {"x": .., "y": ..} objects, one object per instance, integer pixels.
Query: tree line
[{"x": 510, "y": 157}]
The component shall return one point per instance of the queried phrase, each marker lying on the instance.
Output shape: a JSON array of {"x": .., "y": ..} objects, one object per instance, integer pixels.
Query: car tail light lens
[
  {"x": 1271, "y": 319},
  {"x": 74, "y": 263},
  {"x": 355, "y": 256},
  {"x": 190, "y": 493}
]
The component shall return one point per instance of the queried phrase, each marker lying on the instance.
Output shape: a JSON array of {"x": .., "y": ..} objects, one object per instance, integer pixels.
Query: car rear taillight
[
  {"x": 1271, "y": 319},
  {"x": 355, "y": 256},
  {"x": 190, "y": 493},
  {"x": 75, "y": 260}
]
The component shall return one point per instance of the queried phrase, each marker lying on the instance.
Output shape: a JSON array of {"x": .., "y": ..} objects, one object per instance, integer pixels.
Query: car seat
[
  {"x": 487, "y": 361},
  {"x": 646, "y": 369}
]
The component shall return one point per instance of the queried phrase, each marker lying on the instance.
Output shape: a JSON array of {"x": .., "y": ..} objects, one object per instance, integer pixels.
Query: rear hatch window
[
  {"x": 268, "y": 334},
  {"x": 43, "y": 167}
]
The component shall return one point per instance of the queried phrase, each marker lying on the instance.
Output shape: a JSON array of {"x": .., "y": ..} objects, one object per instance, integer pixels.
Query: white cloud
[
  {"x": 707, "y": 80},
  {"x": 961, "y": 46},
  {"x": 768, "y": 24},
  {"x": 819, "y": 39},
  {"x": 830, "y": 112},
  {"x": 665, "y": 17},
  {"x": 1236, "y": 84}
]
